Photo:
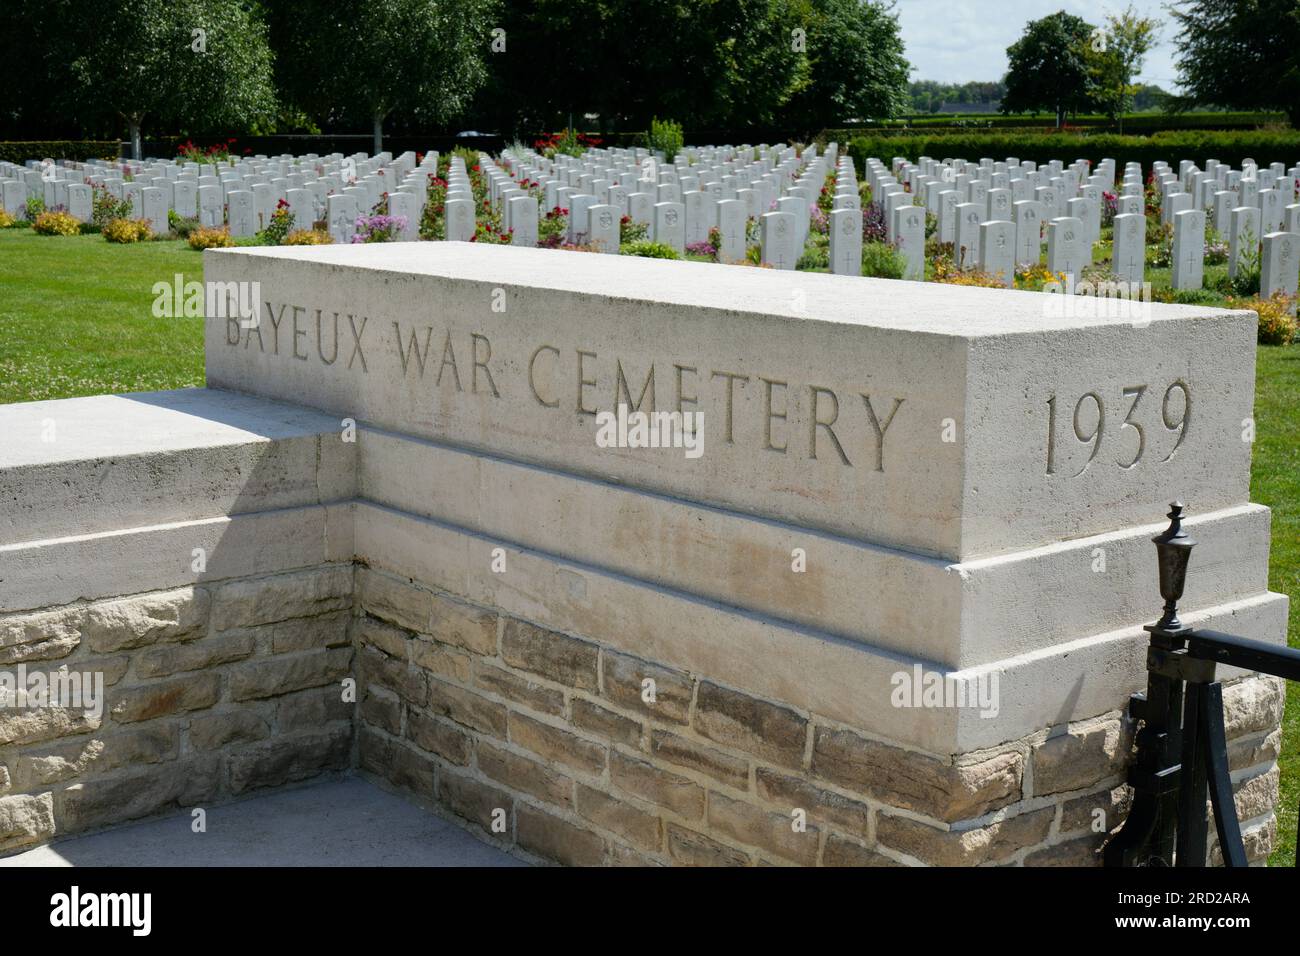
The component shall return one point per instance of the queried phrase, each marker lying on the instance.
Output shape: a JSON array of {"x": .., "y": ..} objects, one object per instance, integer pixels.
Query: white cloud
[{"x": 954, "y": 42}]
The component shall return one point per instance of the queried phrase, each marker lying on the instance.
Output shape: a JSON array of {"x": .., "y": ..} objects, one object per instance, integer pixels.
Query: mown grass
[{"x": 76, "y": 319}]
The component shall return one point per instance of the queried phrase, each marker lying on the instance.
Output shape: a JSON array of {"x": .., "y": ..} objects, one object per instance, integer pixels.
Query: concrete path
[{"x": 348, "y": 822}]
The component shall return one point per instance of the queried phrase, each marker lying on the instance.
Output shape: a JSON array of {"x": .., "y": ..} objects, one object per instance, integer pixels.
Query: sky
[{"x": 954, "y": 41}]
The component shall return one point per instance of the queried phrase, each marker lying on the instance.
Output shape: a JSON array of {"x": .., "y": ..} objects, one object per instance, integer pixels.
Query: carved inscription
[
  {"x": 1088, "y": 425},
  {"x": 839, "y": 426}
]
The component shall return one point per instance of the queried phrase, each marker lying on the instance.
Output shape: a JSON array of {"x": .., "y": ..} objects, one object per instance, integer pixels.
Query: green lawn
[{"x": 76, "y": 319}]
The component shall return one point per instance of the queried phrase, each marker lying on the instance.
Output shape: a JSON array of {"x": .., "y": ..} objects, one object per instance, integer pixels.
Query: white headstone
[
  {"x": 1065, "y": 255},
  {"x": 846, "y": 242},
  {"x": 1189, "y": 249},
  {"x": 603, "y": 228},
  {"x": 670, "y": 225},
  {"x": 341, "y": 213},
  {"x": 997, "y": 250},
  {"x": 1129, "y": 256},
  {"x": 909, "y": 240},
  {"x": 242, "y": 213},
  {"x": 460, "y": 221},
  {"x": 731, "y": 226},
  {"x": 778, "y": 239},
  {"x": 1280, "y": 264}
]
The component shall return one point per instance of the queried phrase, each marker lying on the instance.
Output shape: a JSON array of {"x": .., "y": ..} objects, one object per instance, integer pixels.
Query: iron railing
[{"x": 1181, "y": 748}]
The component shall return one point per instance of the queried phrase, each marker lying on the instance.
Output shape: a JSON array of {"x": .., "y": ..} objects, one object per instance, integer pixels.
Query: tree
[
  {"x": 1118, "y": 50},
  {"x": 361, "y": 62},
  {"x": 196, "y": 64},
  {"x": 1240, "y": 54},
  {"x": 1048, "y": 67},
  {"x": 857, "y": 68}
]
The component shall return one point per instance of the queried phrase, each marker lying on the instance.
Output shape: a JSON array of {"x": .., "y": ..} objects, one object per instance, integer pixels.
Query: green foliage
[
  {"x": 631, "y": 231},
  {"x": 56, "y": 223},
  {"x": 198, "y": 64},
  {"x": 105, "y": 207},
  {"x": 856, "y": 64},
  {"x": 1243, "y": 54},
  {"x": 882, "y": 261},
  {"x": 180, "y": 226},
  {"x": 18, "y": 152},
  {"x": 361, "y": 62},
  {"x": 1117, "y": 55},
  {"x": 650, "y": 250},
  {"x": 665, "y": 136},
  {"x": 1227, "y": 146},
  {"x": 1048, "y": 67},
  {"x": 929, "y": 96},
  {"x": 35, "y": 205}
]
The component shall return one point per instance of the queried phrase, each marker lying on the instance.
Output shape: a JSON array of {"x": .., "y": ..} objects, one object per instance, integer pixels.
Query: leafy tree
[
  {"x": 362, "y": 62},
  {"x": 1048, "y": 67},
  {"x": 1240, "y": 54},
  {"x": 1118, "y": 51},
  {"x": 196, "y": 65},
  {"x": 857, "y": 68}
]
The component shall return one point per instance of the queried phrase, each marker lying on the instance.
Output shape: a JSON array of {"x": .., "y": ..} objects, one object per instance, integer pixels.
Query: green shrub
[
  {"x": 56, "y": 223},
  {"x": 126, "y": 230},
  {"x": 35, "y": 206},
  {"x": 666, "y": 137},
  {"x": 882, "y": 261},
  {"x": 1264, "y": 146},
  {"x": 650, "y": 250},
  {"x": 210, "y": 238},
  {"x": 180, "y": 226},
  {"x": 19, "y": 151}
]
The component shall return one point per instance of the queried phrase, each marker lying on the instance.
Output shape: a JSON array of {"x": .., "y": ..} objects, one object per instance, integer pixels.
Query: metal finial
[{"x": 1173, "y": 553}]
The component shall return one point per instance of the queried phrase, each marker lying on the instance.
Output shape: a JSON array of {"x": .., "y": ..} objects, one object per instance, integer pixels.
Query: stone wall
[
  {"x": 621, "y": 654},
  {"x": 210, "y": 692},
  {"x": 551, "y": 742}
]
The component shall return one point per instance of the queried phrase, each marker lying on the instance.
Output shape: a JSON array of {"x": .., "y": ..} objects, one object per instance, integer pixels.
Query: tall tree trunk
[
  {"x": 136, "y": 146},
  {"x": 378, "y": 135}
]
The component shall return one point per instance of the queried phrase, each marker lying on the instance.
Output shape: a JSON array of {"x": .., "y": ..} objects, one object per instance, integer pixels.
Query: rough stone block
[
  {"x": 624, "y": 683},
  {"x": 944, "y": 790},
  {"x": 555, "y": 656},
  {"x": 637, "y": 827},
  {"x": 695, "y": 849},
  {"x": 738, "y": 720},
  {"x": 512, "y": 686},
  {"x": 177, "y": 615},
  {"x": 679, "y": 794},
  {"x": 281, "y": 675},
  {"x": 525, "y": 775},
  {"x": 285, "y": 759},
  {"x": 26, "y": 818},
  {"x": 283, "y": 596},
  {"x": 557, "y": 746},
  {"x": 161, "y": 698},
  {"x": 556, "y": 838},
  {"x": 768, "y": 831}
]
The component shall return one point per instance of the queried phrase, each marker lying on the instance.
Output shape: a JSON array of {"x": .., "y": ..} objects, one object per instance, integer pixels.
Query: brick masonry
[{"x": 552, "y": 744}]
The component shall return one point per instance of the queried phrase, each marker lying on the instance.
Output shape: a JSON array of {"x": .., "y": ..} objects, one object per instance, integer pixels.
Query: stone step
[{"x": 109, "y": 462}]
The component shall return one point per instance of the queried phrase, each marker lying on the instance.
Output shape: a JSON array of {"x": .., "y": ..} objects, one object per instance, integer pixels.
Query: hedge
[
  {"x": 1199, "y": 145},
  {"x": 1137, "y": 124},
  {"x": 19, "y": 151}
]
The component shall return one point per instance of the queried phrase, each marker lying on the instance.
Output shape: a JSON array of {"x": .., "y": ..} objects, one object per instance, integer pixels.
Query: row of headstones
[
  {"x": 992, "y": 211},
  {"x": 704, "y": 188},
  {"x": 1255, "y": 209},
  {"x": 243, "y": 194},
  {"x": 977, "y": 210}
]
